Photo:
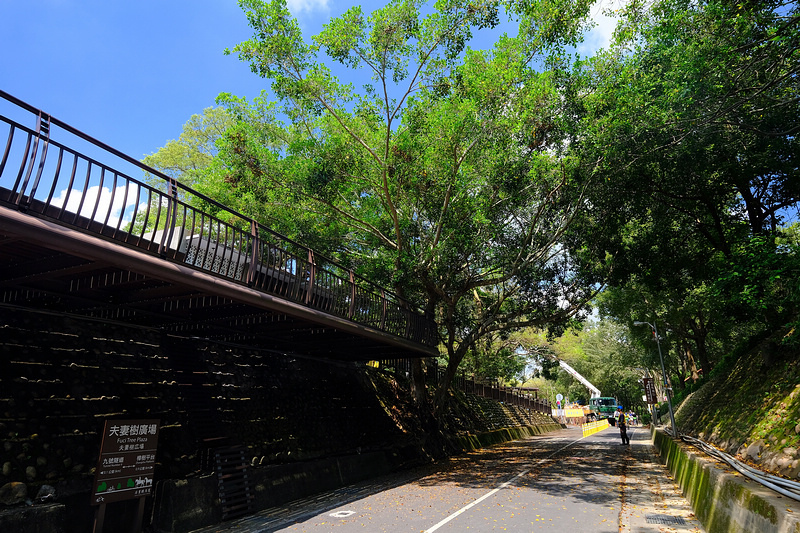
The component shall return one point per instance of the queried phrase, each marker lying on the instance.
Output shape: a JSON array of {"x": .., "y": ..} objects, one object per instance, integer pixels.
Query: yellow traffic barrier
[{"x": 593, "y": 427}]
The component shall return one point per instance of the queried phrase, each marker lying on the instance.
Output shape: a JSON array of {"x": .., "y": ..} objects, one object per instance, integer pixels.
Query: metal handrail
[
  {"x": 505, "y": 394},
  {"x": 164, "y": 219}
]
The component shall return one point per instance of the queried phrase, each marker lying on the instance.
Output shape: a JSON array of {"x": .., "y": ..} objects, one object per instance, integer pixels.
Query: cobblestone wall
[{"x": 62, "y": 377}]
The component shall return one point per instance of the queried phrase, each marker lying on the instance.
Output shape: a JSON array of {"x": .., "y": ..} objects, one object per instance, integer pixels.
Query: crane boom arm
[{"x": 574, "y": 373}]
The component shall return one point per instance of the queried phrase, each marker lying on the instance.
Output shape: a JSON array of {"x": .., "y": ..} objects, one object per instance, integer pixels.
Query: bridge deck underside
[{"x": 53, "y": 273}]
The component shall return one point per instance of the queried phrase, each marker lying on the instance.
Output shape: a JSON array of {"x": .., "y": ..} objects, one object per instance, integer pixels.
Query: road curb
[{"x": 723, "y": 500}]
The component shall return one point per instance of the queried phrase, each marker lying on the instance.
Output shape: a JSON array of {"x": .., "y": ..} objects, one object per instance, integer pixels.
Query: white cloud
[
  {"x": 601, "y": 34},
  {"x": 102, "y": 199},
  {"x": 306, "y": 6}
]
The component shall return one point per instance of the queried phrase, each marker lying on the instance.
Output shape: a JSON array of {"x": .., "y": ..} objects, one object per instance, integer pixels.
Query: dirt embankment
[{"x": 750, "y": 408}]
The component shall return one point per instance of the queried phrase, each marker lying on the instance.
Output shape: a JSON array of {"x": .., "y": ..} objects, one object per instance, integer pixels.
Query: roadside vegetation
[
  {"x": 515, "y": 191},
  {"x": 750, "y": 406}
]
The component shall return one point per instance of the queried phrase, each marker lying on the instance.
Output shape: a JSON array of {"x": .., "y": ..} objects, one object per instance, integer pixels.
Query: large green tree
[
  {"x": 183, "y": 158},
  {"x": 689, "y": 121},
  {"x": 601, "y": 351},
  {"x": 443, "y": 176}
]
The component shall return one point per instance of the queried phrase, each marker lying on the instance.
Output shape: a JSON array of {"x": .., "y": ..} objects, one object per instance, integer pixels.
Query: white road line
[
  {"x": 496, "y": 490},
  {"x": 476, "y": 502}
]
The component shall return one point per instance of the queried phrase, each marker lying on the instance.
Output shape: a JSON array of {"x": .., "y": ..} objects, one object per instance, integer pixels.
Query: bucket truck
[{"x": 600, "y": 407}]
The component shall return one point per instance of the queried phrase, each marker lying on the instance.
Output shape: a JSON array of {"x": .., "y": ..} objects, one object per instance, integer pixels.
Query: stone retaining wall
[{"x": 61, "y": 377}]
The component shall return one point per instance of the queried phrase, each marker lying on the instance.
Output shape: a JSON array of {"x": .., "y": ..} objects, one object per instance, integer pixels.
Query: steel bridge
[{"x": 88, "y": 231}]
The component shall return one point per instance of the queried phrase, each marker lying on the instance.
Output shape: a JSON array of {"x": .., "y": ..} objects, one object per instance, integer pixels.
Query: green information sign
[{"x": 127, "y": 461}]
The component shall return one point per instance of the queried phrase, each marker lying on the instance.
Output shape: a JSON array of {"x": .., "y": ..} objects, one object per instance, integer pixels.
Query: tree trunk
[
  {"x": 418, "y": 382},
  {"x": 702, "y": 353},
  {"x": 443, "y": 387},
  {"x": 681, "y": 377},
  {"x": 691, "y": 364}
]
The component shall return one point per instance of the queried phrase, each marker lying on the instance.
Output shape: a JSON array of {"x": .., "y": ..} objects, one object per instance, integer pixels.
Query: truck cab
[{"x": 602, "y": 408}]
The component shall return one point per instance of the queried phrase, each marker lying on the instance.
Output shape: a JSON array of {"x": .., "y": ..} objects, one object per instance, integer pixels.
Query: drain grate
[{"x": 665, "y": 520}]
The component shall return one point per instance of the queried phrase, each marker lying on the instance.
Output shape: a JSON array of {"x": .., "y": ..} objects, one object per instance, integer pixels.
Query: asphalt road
[{"x": 554, "y": 482}]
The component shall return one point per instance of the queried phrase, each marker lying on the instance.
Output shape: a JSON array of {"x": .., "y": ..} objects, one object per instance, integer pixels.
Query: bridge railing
[
  {"x": 43, "y": 174},
  {"x": 504, "y": 394}
]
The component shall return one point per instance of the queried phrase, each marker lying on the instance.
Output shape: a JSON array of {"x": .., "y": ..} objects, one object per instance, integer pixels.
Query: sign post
[
  {"x": 125, "y": 467},
  {"x": 650, "y": 391}
]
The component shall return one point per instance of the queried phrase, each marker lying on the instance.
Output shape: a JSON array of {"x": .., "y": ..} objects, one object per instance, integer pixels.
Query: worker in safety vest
[{"x": 623, "y": 427}]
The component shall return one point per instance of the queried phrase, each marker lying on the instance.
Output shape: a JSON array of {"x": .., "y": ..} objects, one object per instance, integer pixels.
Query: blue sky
[{"x": 132, "y": 73}]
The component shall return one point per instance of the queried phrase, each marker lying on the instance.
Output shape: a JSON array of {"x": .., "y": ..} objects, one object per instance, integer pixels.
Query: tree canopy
[
  {"x": 196, "y": 147},
  {"x": 500, "y": 189},
  {"x": 689, "y": 120},
  {"x": 443, "y": 177}
]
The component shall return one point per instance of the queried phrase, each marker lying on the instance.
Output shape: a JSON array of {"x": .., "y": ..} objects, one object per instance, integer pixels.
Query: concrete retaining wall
[
  {"x": 725, "y": 501},
  {"x": 468, "y": 443}
]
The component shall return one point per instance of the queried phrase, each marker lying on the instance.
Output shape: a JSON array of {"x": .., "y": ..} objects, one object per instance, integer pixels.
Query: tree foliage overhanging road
[
  {"x": 692, "y": 119},
  {"x": 445, "y": 175},
  {"x": 501, "y": 189}
]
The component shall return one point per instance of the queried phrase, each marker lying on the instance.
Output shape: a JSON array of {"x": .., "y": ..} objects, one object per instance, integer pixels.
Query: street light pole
[{"x": 663, "y": 374}]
